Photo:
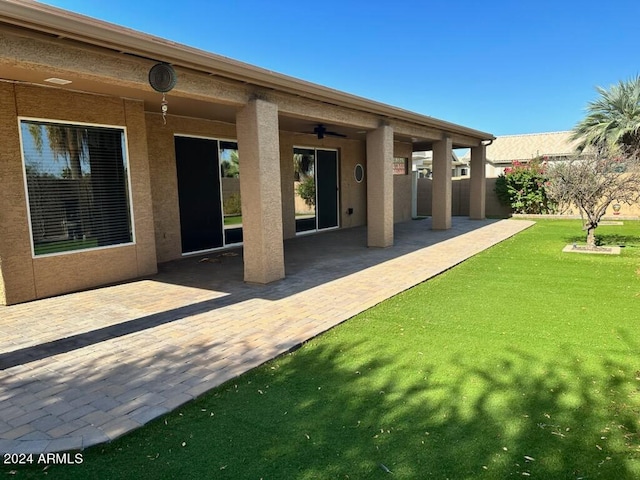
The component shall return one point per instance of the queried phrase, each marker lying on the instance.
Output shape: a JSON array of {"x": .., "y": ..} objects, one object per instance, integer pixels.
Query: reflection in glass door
[
  {"x": 304, "y": 188},
  {"x": 230, "y": 180},
  {"x": 315, "y": 189}
]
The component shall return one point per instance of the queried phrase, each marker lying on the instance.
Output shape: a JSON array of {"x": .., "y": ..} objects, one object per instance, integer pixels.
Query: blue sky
[{"x": 505, "y": 67}]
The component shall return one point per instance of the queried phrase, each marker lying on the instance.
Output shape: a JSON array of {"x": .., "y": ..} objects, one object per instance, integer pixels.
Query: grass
[
  {"x": 522, "y": 362},
  {"x": 64, "y": 246},
  {"x": 232, "y": 220}
]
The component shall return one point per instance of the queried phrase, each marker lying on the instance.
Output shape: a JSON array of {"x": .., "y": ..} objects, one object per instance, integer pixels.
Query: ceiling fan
[{"x": 321, "y": 131}]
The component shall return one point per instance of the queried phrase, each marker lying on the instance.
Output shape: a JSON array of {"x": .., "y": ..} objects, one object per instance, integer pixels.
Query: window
[
  {"x": 77, "y": 186},
  {"x": 400, "y": 166}
]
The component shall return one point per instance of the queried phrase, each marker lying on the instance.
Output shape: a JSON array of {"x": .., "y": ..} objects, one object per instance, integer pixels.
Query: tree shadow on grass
[
  {"x": 338, "y": 410},
  {"x": 608, "y": 239}
]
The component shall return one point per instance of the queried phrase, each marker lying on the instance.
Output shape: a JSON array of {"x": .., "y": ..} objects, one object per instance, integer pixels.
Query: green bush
[
  {"x": 522, "y": 187},
  {"x": 307, "y": 190},
  {"x": 233, "y": 204}
]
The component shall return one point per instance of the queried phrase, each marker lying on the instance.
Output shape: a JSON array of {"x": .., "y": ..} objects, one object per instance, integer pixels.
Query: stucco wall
[
  {"x": 460, "y": 198},
  {"x": 625, "y": 210},
  {"x": 402, "y": 185},
  {"x": 17, "y": 282},
  {"x": 352, "y": 194},
  {"x": 27, "y": 278}
]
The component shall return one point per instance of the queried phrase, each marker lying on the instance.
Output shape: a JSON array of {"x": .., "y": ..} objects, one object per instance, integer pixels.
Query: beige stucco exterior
[
  {"x": 27, "y": 277},
  {"x": 402, "y": 196},
  {"x": 380, "y": 187},
  {"x": 441, "y": 196},
  {"x": 460, "y": 198},
  {"x": 268, "y": 114},
  {"x": 259, "y": 149}
]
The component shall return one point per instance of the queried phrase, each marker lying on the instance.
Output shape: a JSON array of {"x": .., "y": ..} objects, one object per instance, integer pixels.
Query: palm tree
[
  {"x": 67, "y": 142},
  {"x": 231, "y": 167},
  {"x": 63, "y": 141},
  {"x": 613, "y": 119}
]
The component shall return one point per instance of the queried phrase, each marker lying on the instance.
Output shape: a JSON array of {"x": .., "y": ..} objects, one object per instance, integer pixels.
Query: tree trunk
[
  {"x": 591, "y": 237},
  {"x": 74, "y": 153}
]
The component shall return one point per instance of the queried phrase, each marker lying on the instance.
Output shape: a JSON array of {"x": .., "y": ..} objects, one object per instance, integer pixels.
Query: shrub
[
  {"x": 233, "y": 204},
  {"x": 522, "y": 187},
  {"x": 307, "y": 190}
]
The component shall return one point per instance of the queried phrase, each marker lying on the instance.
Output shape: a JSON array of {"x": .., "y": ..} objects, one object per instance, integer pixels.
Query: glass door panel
[
  {"x": 231, "y": 201},
  {"x": 315, "y": 188},
  {"x": 304, "y": 189},
  {"x": 199, "y": 194},
  {"x": 327, "y": 188}
]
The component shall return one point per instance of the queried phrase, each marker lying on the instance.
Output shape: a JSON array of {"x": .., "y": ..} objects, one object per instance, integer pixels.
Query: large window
[{"x": 77, "y": 186}]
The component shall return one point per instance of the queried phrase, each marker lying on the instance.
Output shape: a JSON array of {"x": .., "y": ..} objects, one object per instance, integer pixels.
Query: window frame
[{"x": 126, "y": 157}]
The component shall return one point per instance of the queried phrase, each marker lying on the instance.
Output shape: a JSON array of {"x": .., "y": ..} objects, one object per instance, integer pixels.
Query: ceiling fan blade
[
  {"x": 321, "y": 131},
  {"x": 335, "y": 134}
]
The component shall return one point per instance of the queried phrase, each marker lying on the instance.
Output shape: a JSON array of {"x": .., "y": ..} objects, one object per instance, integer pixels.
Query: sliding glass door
[
  {"x": 208, "y": 193},
  {"x": 316, "y": 193}
]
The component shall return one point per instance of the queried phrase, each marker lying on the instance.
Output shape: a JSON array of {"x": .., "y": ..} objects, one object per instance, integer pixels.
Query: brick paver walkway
[{"x": 85, "y": 368}]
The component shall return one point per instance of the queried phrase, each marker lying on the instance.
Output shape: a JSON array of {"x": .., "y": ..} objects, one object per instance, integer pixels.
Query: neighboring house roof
[{"x": 507, "y": 148}]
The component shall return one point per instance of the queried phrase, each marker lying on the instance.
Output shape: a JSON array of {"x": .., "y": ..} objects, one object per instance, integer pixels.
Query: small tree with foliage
[
  {"x": 523, "y": 187},
  {"x": 595, "y": 180},
  {"x": 608, "y": 170}
]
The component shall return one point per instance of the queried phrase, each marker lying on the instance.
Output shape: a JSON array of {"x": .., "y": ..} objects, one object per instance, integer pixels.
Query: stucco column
[
  {"x": 259, "y": 153},
  {"x": 477, "y": 187},
  {"x": 441, "y": 194},
  {"x": 380, "y": 187}
]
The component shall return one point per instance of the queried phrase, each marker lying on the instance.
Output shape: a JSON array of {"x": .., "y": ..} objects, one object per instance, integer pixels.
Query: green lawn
[
  {"x": 232, "y": 220},
  {"x": 65, "y": 245},
  {"x": 522, "y": 362}
]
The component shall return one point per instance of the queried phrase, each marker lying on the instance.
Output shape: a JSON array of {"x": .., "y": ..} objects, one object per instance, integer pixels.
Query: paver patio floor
[{"x": 85, "y": 368}]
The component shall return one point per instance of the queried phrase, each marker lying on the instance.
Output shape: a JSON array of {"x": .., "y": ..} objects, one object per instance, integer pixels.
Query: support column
[
  {"x": 414, "y": 194},
  {"x": 380, "y": 187},
  {"x": 441, "y": 194},
  {"x": 260, "y": 191},
  {"x": 478, "y": 185}
]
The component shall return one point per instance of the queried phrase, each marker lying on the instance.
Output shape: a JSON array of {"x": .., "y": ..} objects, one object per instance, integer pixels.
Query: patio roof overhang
[{"x": 211, "y": 86}]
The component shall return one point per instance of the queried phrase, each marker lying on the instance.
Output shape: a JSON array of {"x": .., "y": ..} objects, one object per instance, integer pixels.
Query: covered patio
[
  {"x": 152, "y": 186},
  {"x": 85, "y": 368}
]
